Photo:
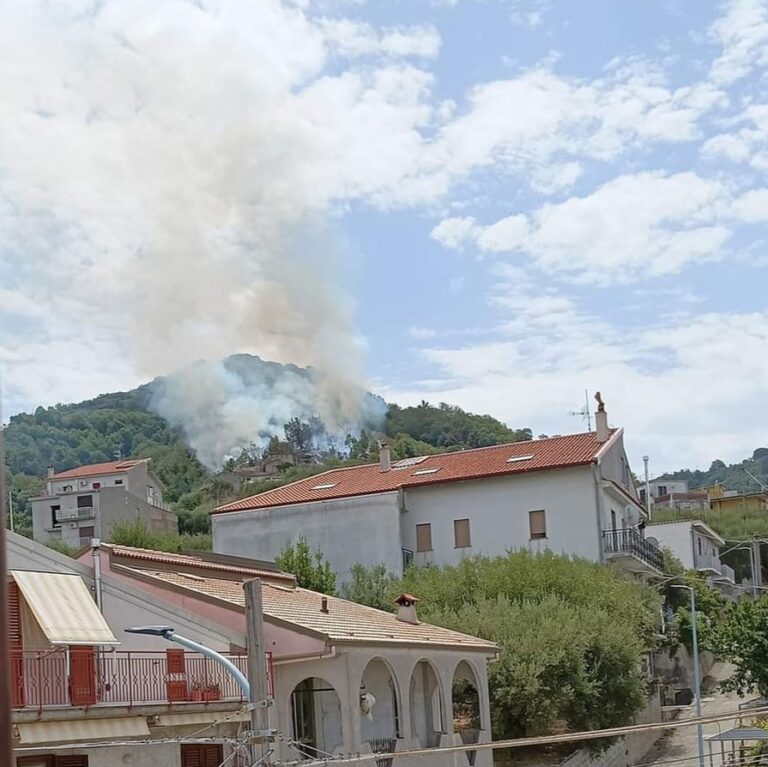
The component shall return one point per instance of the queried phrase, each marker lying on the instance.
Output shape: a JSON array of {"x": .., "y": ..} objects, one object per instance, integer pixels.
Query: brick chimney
[
  {"x": 601, "y": 420},
  {"x": 406, "y": 609},
  {"x": 385, "y": 457}
]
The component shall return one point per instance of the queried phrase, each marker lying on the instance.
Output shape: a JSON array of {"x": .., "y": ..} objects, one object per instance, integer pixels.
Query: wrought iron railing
[
  {"x": 626, "y": 540},
  {"x": 85, "y": 677},
  {"x": 407, "y": 558}
]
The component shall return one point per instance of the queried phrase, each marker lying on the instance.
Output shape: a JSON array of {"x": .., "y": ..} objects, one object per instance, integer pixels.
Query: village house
[
  {"x": 697, "y": 546},
  {"x": 87, "y": 502},
  {"x": 343, "y": 678},
  {"x": 673, "y": 494},
  {"x": 572, "y": 495}
]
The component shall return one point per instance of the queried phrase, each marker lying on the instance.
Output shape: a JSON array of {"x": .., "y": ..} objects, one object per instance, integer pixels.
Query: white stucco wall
[
  {"x": 683, "y": 538},
  {"x": 498, "y": 509},
  {"x": 363, "y": 529}
]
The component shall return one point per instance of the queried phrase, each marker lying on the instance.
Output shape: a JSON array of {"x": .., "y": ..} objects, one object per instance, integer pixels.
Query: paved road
[{"x": 682, "y": 743}]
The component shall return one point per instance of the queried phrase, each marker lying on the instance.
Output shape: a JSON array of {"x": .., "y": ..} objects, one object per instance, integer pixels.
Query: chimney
[
  {"x": 324, "y": 605},
  {"x": 385, "y": 457},
  {"x": 49, "y": 472},
  {"x": 406, "y": 609},
  {"x": 601, "y": 420}
]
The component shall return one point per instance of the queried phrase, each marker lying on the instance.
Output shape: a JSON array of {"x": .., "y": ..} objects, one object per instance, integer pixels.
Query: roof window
[
  {"x": 326, "y": 486},
  {"x": 516, "y": 458},
  {"x": 425, "y": 471},
  {"x": 406, "y": 462}
]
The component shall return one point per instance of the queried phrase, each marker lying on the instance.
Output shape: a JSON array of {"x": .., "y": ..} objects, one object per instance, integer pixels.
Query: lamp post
[
  {"x": 166, "y": 632},
  {"x": 696, "y": 670},
  {"x": 752, "y": 567}
]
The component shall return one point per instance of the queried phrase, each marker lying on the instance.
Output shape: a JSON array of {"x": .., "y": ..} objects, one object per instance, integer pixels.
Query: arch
[
  {"x": 426, "y": 704},
  {"x": 316, "y": 723},
  {"x": 467, "y": 716},
  {"x": 382, "y": 724}
]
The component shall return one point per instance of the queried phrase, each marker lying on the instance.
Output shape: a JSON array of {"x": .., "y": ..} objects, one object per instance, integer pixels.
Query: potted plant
[{"x": 204, "y": 691}]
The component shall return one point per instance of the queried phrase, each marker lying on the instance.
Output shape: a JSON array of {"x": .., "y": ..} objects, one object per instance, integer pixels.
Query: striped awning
[
  {"x": 63, "y": 608},
  {"x": 73, "y": 730}
]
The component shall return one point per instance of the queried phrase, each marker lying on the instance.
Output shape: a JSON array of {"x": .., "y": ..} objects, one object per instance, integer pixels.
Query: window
[
  {"x": 700, "y": 552},
  {"x": 461, "y": 533},
  {"x": 661, "y": 490},
  {"x": 423, "y": 537},
  {"x": 118, "y": 481},
  {"x": 516, "y": 458},
  {"x": 202, "y": 755},
  {"x": 96, "y": 485},
  {"x": 86, "y": 533},
  {"x": 55, "y": 521},
  {"x": 538, "y": 524},
  {"x": 67, "y": 488},
  {"x": 84, "y": 501},
  {"x": 51, "y": 760}
]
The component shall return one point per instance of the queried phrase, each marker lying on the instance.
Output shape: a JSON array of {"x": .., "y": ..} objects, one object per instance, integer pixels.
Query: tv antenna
[{"x": 585, "y": 412}]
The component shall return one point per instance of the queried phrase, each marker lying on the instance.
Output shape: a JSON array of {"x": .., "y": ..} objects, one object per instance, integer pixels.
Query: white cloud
[
  {"x": 421, "y": 333},
  {"x": 748, "y": 144},
  {"x": 455, "y": 232},
  {"x": 356, "y": 38},
  {"x": 742, "y": 31},
  {"x": 633, "y": 227}
]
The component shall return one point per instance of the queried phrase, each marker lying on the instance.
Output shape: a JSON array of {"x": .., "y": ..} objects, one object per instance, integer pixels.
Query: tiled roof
[
  {"x": 96, "y": 469},
  {"x": 345, "y": 621},
  {"x": 514, "y": 458},
  {"x": 197, "y": 562}
]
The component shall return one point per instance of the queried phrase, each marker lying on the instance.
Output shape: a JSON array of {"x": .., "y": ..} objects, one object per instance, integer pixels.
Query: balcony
[
  {"x": 627, "y": 547},
  {"x": 707, "y": 562},
  {"x": 82, "y": 676}
]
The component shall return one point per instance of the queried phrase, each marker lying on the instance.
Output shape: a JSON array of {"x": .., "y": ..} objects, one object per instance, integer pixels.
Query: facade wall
[
  {"x": 498, "y": 512},
  {"x": 364, "y": 529},
  {"x": 694, "y": 548}
]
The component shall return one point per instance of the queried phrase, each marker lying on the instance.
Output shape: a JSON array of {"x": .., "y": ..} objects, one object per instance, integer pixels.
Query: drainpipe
[
  {"x": 647, "y": 488},
  {"x": 96, "y": 552},
  {"x": 599, "y": 511},
  {"x": 303, "y": 658}
]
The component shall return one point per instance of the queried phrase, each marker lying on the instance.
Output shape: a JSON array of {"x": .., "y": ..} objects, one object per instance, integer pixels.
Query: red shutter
[
  {"x": 176, "y": 680},
  {"x": 82, "y": 676},
  {"x": 16, "y": 645},
  {"x": 202, "y": 755},
  {"x": 71, "y": 761}
]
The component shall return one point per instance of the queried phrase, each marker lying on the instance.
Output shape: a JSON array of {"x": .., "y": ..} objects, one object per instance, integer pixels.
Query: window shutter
[
  {"x": 538, "y": 524},
  {"x": 82, "y": 675},
  {"x": 461, "y": 533},
  {"x": 191, "y": 756},
  {"x": 71, "y": 761},
  {"x": 14, "y": 616},
  {"x": 423, "y": 537},
  {"x": 213, "y": 755}
]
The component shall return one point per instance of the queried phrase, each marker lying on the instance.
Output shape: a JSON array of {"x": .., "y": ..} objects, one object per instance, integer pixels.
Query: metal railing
[
  {"x": 407, "y": 558},
  {"x": 78, "y": 677},
  {"x": 626, "y": 540}
]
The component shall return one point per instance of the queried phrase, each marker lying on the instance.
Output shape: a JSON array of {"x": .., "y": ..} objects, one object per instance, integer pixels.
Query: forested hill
[
  {"x": 121, "y": 425},
  {"x": 734, "y": 476}
]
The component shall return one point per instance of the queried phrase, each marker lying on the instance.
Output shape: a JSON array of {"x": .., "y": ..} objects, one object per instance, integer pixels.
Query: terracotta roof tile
[
  {"x": 190, "y": 560},
  {"x": 513, "y": 458},
  {"x": 97, "y": 469},
  {"x": 344, "y": 622}
]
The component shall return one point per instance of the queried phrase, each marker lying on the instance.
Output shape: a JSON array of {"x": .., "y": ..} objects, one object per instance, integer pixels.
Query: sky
[{"x": 498, "y": 204}]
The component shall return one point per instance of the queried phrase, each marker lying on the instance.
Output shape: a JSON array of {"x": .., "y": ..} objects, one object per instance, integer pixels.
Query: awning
[
  {"x": 82, "y": 730},
  {"x": 740, "y": 733},
  {"x": 201, "y": 717},
  {"x": 63, "y": 608}
]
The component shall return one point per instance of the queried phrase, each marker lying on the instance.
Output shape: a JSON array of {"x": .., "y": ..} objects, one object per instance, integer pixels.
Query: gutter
[{"x": 301, "y": 658}]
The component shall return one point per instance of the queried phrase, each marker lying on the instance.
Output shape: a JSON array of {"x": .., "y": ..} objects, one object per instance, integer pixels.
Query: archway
[
  {"x": 316, "y": 717},
  {"x": 379, "y": 707},
  {"x": 426, "y": 705},
  {"x": 466, "y": 707}
]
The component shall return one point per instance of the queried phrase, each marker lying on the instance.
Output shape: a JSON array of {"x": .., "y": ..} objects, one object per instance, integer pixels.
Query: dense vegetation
[
  {"x": 571, "y": 633},
  {"x": 734, "y": 476}
]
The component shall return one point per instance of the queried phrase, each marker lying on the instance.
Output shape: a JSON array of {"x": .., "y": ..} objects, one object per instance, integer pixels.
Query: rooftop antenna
[{"x": 585, "y": 412}]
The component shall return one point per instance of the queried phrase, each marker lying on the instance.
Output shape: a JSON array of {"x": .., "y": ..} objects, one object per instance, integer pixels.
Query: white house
[
  {"x": 572, "y": 494},
  {"x": 697, "y": 546},
  {"x": 343, "y": 678}
]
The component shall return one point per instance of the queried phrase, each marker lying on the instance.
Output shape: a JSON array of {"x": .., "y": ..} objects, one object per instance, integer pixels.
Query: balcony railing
[
  {"x": 407, "y": 558},
  {"x": 627, "y": 540},
  {"x": 84, "y": 677}
]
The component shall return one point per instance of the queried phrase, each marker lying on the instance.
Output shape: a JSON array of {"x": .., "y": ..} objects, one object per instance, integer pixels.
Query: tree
[
  {"x": 571, "y": 634},
  {"x": 372, "y": 586},
  {"x": 742, "y": 639},
  {"x": 312, "y": 570}
]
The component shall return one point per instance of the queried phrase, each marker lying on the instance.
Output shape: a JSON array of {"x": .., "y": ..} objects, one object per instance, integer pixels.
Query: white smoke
[{"x": 169, "y": 169}]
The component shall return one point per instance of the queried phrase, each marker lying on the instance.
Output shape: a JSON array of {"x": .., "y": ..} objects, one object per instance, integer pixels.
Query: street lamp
[
  {"x": 696, "y": 670},
  {"x": 166, "y": 632}
]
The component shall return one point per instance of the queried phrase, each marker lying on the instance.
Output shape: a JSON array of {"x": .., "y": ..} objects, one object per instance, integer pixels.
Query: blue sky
[{"x": 494, "y": 203}]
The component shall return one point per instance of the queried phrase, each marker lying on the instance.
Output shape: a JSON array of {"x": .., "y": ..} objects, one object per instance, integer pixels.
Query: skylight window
[
  {"x": 516, "y": 458},
  {"x": 425, "y": 471},
  {"x": 327, "y": 486},
  {"x": 406, "y": 462}
]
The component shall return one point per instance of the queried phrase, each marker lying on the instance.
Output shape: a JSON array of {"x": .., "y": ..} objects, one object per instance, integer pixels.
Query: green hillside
[{"x": 120, "y": 424}]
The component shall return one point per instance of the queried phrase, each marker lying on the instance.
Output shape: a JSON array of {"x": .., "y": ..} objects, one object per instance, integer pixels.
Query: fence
[{"x": 83, "y": 676}]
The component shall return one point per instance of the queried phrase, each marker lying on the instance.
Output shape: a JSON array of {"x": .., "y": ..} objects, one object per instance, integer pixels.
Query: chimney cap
[
  {"x": 324, "y": 605},
  {"x": 406, "y": 599}
]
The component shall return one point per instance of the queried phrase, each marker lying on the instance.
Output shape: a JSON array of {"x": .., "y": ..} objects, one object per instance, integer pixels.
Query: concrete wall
[
  {"x": 684, "y": 540},
  {"x": 364, "y": 529},
  {"x": 625, "y": 751},
  {"x": 498, "y": 510}
]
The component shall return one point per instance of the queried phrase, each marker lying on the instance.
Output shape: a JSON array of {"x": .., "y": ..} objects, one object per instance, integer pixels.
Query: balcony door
[{"x": 82, "y": 676}]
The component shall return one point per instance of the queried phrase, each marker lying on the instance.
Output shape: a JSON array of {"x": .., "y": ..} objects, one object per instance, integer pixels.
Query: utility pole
[
  {"x": 647, "y": 487},
  {"x": 758, "y": 569},
  {"x": 257, "y": 675}
]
